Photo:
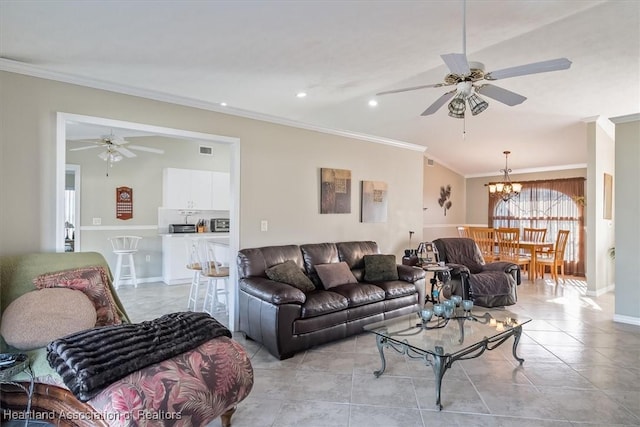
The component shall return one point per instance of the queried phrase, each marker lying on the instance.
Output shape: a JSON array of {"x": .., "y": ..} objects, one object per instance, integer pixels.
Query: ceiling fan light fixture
[
  {"x": 457, "y": 106},
  {"x": 477, "y": 104}
]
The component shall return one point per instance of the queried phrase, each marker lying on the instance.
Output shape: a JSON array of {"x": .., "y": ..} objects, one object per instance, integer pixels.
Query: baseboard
[
  {"x": 626, "y": 319},
  {"x": 601, "y": 291}
]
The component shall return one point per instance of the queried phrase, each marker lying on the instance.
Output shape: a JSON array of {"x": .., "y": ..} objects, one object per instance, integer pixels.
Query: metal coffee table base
[{"x": 439, "y": 361}]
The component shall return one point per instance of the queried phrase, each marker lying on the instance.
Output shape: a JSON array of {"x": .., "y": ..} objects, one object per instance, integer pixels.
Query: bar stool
[
  {"x": 215, "y": 272},
  {"x": 124, "y": 247},
  {"x": 194, "y": 264}
]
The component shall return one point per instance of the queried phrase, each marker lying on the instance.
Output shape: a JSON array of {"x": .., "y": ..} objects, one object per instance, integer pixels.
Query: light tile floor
[{"x": 580, "y": 368}]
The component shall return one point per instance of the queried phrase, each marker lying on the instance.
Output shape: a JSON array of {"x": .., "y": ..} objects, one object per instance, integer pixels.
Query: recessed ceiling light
[
  {"x": 224, "y": 104},
  {"x": 373, "y": 103},
  {"x": 301, "y": 94}
]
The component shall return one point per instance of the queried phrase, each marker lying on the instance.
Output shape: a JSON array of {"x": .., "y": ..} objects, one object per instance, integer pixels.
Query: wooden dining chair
[
  {"x": 537, "y": 235},
  {"x": 509, "y": 248},
  {"x": 534, "y": 234},
  {"x": 464, "y": 232},
  {"x": 554, "y": 258},
  {"x": 486, "y": 240}
]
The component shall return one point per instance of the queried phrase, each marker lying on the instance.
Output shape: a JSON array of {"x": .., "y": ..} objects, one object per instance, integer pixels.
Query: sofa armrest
[
  {"x": 410, "y": 274},
  {"x": 507, "y": 267},
  {"x": 458, "y": 270},
  {"x": 271, "y": 291}
]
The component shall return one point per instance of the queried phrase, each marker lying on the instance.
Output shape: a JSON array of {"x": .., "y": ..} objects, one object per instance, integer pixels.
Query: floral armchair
[{"x": 188, "y": 389}]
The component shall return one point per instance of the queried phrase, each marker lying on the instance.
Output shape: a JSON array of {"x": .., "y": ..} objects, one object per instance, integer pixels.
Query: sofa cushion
[
  {"x": 94, "y": 282},
  {"x": 334, "y": 274},
  {"x": 360, "y": 293},
  {"x": 378, "y": 268},
  {"x": 288, "y": 272},
  {"x": 396, "y": 288},
  {"x": 323, "y": 302},
  {"x": 39, "y": 317}
]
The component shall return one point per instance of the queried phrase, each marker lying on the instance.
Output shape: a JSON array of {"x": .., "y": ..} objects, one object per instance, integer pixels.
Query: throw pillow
[
  {"x": 38, "y": 317},
  {"x": 93, "y": 281},
  {"x": 289, "y": 272},
  {"x": 335, "y": 274},
  {"x": 380, "y": 268}
]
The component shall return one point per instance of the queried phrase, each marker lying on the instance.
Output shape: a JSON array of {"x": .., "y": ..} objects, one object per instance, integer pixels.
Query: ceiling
[{"x": 257, "y": 55}]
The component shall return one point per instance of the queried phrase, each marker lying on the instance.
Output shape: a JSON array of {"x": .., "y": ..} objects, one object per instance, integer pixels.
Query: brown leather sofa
[
  {"x": 491, "y": 284},
  {"x": 287, "y": 320}
]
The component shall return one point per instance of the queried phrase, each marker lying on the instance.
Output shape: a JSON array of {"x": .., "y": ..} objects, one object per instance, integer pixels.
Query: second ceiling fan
[{"x": 466, "y": 75}]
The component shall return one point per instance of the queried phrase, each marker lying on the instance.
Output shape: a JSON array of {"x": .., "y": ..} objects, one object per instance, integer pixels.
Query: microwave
[{"x": 219, "y": 225}]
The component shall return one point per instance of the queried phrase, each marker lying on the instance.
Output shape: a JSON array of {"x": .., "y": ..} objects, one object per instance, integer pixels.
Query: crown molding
[
  {"x": 625, "y": 119},
  {"x": 531, "y": 170},
  {"x": 34, "y": 71}
]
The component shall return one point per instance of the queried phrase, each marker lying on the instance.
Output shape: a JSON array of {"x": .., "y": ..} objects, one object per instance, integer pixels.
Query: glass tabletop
[{"x": 449, "y": 336}]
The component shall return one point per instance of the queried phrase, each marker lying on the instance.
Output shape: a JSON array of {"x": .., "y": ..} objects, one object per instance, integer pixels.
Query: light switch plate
[
  {"x": 97, "y": 221},
  {"x": 264, "y": 225}
]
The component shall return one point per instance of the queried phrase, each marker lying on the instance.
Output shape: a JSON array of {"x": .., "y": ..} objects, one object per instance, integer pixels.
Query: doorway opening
[{"x": 69, "y": 226}]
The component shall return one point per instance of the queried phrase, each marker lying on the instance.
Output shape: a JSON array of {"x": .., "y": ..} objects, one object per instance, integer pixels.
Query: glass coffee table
[{"x": 441, "y": 341}]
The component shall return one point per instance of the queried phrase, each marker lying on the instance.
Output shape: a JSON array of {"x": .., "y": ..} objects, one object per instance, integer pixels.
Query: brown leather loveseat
[{"x": 286, "y": 319}]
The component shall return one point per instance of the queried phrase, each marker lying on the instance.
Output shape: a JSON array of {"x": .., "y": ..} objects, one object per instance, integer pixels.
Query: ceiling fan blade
[
  {"x": 533, "y": 68},
  {"x": 124, "y": 151},
  {"x": 406, "y": 89},
  {"x": 457, "y": 63},
  {"x": 438, "y": 103},
  {"x": 84, "y": 148},
  {"x": 499, "y": 94},
  {"x": 148, "y": 149}
]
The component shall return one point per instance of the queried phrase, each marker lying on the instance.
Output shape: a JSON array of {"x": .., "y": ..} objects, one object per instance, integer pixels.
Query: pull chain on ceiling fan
[{"x": 466, "y": 76}]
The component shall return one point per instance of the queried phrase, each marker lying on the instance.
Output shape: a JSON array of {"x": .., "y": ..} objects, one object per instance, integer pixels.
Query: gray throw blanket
[{"x": 90, "y": 360}]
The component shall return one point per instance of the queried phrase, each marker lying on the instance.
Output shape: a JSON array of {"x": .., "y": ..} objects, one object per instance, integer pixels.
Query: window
[{"x": 552, "y": 204}]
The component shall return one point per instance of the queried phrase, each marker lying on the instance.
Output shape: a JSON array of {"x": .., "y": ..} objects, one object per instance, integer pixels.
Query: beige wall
[
  {"x": 436, "y": 223},
  {"x": 279, "y": 176},
  {"x": 627, "y": 208},
  {"x": 599, "y": 266}
]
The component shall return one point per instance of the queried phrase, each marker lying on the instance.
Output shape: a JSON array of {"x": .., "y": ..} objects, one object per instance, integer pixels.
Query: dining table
[{"x": 534, "y": 248}]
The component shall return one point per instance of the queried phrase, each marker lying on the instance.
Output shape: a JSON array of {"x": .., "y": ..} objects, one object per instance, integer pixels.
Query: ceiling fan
[
  {"x": 466, "y": 76},
  {"x": 114, "y": 149}
]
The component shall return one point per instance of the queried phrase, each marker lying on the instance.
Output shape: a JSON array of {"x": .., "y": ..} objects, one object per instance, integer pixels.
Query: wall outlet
[
  {"x": 147, "y": 258},
  {"x": 264, "y": 225},
  {"x": 97, "y": 221}
]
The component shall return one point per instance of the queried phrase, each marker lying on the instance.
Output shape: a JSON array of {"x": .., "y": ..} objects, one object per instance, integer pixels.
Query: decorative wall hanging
[
  {"x": 124, "y": 203},
  {"x": 443, "y": 201},
  {"x": 335, "y": 191},
  {"x": 373, "y": 202}
]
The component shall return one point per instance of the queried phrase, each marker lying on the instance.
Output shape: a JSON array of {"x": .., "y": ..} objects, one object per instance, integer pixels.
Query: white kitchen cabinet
[
  {"x": 221, "y": 191},
  {"x": 187, "y": 189}
]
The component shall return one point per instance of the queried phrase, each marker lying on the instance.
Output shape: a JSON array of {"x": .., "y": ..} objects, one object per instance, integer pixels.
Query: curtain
[{"x": 556, "y": 204}]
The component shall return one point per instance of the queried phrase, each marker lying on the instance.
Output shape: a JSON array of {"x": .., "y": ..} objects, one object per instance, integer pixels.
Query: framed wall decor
[
  {"x": 124, "y": 203},
  {"x": 335, "y": 191},
  {"x": 373, "y": 201}
]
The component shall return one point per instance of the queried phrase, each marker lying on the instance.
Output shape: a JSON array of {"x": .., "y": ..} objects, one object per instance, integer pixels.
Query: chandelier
[{"x": 506, "y": 189}]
